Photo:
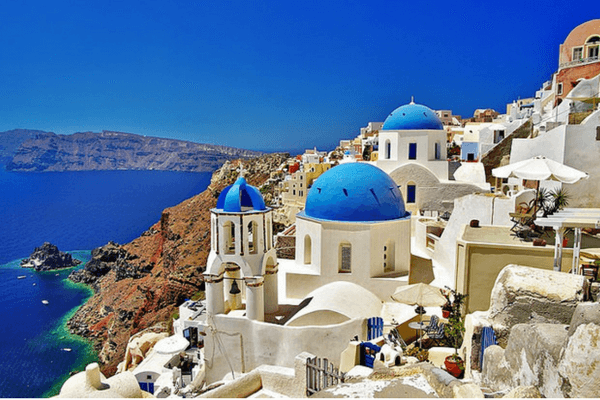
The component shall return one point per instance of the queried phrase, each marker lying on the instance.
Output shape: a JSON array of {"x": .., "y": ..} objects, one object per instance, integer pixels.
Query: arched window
[
  {"x": 345, "y": 257},
  {"x": 389, "y": 257},
  {"x": 229, "y": 233},
  {"x": 411, "y": 193},
  {"x": 252, "y": 237},
  {"x": 388, "y": 149},
  {"x": 307, "y": 250}
]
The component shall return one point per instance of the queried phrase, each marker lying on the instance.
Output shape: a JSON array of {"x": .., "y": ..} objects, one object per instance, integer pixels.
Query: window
[
  {"x": 307, "y": 250},
  {"x": 577, "y": 53},
  {"x": 253, "y": 237},
  {"x": 411, "y": 193},
  {"x": 388, "y": 149},
  {"x": 593, "y": 52},
  {"x": 389, "y": 257},
  {"x": 345, "y": 257},
  {"x": 229, "y": 232},
  {"x": 559, "y": 89},
  {"x": 412, "y": 151},
  {"x": 437, "y": 151}
]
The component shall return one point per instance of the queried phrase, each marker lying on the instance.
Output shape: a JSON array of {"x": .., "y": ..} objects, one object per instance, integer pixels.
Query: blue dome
[
  {"x": 411, "y": 117},
  {"x": 240, "y": 197},
  {"x": 355, "y": 192}
]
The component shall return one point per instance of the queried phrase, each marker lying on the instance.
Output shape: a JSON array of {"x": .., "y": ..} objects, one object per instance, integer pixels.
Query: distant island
[
  {"x": 37, "y": 151},
  {"x": 47, "y": 257}
]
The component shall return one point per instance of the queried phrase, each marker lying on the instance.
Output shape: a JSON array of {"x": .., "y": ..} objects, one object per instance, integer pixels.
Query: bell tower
[{"x": 242, "y": 259}]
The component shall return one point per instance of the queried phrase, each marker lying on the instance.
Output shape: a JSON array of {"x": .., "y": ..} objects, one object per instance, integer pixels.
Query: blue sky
[{"x": 270, "y": 75}]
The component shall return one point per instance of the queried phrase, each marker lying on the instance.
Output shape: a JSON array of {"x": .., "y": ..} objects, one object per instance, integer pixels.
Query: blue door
[
  {"x": 151, "y": 387},
  {"x": 144, "y": 386},
  {"x": 367, "y": 353}
]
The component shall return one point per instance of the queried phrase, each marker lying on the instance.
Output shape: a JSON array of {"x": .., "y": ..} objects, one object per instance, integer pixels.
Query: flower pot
[
  {"x": 565, "y": 242},
  {"x": 454, "y": 368},
  {"x": 445, "y": 313}
]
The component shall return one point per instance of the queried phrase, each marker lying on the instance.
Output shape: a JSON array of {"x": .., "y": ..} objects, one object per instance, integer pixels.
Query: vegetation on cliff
[{"x": 140, "y": 284}]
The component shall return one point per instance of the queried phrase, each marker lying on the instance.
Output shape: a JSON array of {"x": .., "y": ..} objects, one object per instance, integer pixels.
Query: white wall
[
  {"x": 265, "y": 343},
  {"x": 367, "y": 242},
  {"x": 489, "y": 210}
]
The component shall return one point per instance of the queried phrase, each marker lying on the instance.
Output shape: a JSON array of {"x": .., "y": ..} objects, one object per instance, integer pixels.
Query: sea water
[{"x": 75, "y": 211}]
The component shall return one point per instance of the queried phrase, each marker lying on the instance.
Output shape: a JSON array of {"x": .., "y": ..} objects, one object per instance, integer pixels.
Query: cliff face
[
  {"x": 140, "y": 284},
  {"x": 10, "y": 141},
  {"x": 118, "y": 151}
]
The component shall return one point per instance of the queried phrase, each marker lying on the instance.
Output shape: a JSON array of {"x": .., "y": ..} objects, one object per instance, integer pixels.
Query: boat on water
[
  {"x": 66, "y": 349},
  {"x": 34, "y": 284},
  {"x": 45, "y": 302},
  {"x": 21, "y": 277}
]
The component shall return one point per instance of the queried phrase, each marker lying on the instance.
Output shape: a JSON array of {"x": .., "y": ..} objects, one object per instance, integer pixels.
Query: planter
[
  {"x": 474, "y": 223},
  {"x": 445, "y": 313},
  {"x": 454, "y": 368}
]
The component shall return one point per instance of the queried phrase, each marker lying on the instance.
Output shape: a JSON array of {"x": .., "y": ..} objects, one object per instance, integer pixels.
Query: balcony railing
[{"x": 582, "y": 61}]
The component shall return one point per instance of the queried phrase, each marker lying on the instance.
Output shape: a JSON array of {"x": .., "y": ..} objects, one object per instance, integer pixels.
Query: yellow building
[{"x": 296, "y": 189}]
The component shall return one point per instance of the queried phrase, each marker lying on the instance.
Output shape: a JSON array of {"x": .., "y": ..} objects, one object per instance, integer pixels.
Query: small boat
[
  {"x": 45, "y": 302},
  {"x": 66, "y": 349},
  {"x": 34, "y": 284},
  {"x": 21, "y": 277}
]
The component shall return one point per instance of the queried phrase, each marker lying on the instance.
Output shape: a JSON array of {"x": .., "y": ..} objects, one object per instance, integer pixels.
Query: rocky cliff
[
  {"x": 118, "y": 151},
  {"x": 140, "y": 284},
  {"x": 10, "y": 141}
]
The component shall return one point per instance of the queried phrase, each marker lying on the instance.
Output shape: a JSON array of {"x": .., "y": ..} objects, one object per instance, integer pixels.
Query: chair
[
  {"x": 395, "y": 337},
  {"x": 438, "y": 334},
  {"x": 433, "y": 324},
  {"x": 525, "y": 217}
]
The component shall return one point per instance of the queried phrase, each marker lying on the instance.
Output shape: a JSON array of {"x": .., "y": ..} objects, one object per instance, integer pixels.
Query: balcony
[{"x": 579, "y": 62}]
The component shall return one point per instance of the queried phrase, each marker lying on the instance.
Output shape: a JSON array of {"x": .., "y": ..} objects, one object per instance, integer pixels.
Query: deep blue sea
[{"x": 77, "y": 211}]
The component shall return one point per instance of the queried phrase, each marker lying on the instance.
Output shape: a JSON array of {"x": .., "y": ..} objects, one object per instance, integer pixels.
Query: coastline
[{"x": 57, "y": 336}]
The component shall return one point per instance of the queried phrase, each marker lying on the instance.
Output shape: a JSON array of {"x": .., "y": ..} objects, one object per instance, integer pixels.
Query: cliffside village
[{"x": 426, "y": 243}]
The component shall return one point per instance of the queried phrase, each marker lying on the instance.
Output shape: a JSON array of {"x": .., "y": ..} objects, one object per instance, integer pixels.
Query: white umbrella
[
  {"x": 540, "y": 168},
  {"x": 420, "y": 294}
]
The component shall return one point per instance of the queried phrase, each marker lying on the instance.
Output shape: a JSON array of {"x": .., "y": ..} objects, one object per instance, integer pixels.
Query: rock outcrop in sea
[
  {"x": 47, "y": 257},
  {"x": 140, "y": 284}
]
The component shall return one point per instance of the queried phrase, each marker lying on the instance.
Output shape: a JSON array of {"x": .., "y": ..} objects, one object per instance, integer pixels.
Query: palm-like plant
[{"x": 560, "y": 199}]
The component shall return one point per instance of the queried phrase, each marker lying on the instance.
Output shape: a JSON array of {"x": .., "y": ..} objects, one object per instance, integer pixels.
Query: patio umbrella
[
  {"x": 419, "y": 294},
  {"x": 537, "y": 169},
  {"x": 540, "y": 168}
]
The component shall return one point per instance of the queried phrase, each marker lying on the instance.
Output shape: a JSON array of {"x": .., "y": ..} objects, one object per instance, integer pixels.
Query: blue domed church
[
  {"x": 354, "y": 228},
  {"x": 412, "y": 150}
]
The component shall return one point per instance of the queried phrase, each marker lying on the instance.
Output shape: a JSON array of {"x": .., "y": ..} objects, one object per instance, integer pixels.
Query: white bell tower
[{"x": 241, "y": 254}]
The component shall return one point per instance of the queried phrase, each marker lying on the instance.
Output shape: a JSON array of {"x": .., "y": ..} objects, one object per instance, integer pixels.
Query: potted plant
[
  {"x": 446, "y": 308},
  {"x": 454, "y": 330}
]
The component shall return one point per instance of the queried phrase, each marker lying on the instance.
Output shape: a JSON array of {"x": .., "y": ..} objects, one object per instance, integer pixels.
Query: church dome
[
  {"x": 412, "y": 117},
  {"x": 355, "y": 192},
  {"x": 240, "y": 197}
]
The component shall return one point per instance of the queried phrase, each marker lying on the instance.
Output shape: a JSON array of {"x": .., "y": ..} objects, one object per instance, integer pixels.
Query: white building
[
  {"x": 354, "y": 228},
  {"x": 413, "y": 151}
]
